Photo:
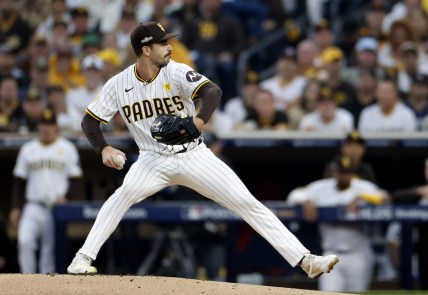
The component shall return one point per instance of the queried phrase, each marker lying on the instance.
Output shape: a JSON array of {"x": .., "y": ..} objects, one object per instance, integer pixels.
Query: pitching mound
[{"x": 38, "y": 284}]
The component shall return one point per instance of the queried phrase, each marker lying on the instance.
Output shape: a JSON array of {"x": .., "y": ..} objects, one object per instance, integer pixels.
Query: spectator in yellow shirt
[
  {"x": 64, "y": 69},
  {"x": 112, "y": 62}
]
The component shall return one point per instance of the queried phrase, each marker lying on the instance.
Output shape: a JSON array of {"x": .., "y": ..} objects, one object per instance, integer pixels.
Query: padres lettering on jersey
[
  {"x": 152, "y": 108},
  {"x": 172, "y": 90},
  {"x": 51, "y": 164},
  {"x": 47, "y": 168}
]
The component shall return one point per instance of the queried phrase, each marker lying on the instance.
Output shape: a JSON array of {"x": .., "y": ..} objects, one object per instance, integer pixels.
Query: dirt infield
[{"x": 22, "y": 284}]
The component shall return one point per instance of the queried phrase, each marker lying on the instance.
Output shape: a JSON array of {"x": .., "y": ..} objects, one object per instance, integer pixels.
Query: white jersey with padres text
[
  {"x": 47, "y": 169},
  {"x": 171, "y": 90}
]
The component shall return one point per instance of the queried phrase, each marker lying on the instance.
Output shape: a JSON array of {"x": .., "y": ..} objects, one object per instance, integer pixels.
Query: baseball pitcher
[{"x": 156, "y": 98}]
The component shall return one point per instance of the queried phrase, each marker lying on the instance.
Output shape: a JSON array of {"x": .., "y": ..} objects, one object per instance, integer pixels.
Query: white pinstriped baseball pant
[{"x": 201, "y": 170}]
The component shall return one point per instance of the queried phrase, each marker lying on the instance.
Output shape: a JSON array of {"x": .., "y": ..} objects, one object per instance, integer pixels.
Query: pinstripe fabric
[
  {"x": 209, "y": 176},
  {"x": 172, "y": 90},
  {"x": 146, "y": 176},
  {"x": 215, "y": 180}
]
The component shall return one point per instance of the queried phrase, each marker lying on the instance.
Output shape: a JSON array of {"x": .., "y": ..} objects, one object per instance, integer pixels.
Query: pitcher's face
[{"x": 160, "y": 53}]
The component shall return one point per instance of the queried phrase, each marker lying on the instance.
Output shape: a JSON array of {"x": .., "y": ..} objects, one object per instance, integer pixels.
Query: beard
[{"x": 163, "y": 62}]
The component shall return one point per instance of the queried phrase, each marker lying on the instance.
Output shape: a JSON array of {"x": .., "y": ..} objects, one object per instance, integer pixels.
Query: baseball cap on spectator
[
  {"x": 409, "y": 46},
  {"x": 91, "y": 40},
  {"x": 54, "y": 88},
  {"x": 48, "y": 117},
  {"x": 354, "y": 137},
  {"x": 39, "y": 40},
  {"x": 331, "y": 54},
  {"x": 59, "y": 21},
  {"x": 79, "y": 11},
  {"x": 92, "y": 62},
  {"x": 326, "y": 94},
  {"x": 322, "y": 25},
  {"x": 251, "y": 77},
  {"x": 148, "y": 33},
  {"x": 366, "y": 44},
  {"x": 33, "y": 95},
  {"x": 110, "y": 55}
]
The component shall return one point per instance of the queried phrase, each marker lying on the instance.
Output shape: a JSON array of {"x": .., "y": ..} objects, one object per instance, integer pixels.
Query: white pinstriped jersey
[
  {"x": 171, "y": 90},
  {"x": 47, "y": 169}
]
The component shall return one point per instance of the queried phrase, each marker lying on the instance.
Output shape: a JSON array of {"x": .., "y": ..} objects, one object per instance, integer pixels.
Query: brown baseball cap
[
  {"x": 355, "y": 137},
  {"x": 33, "y": 94},
  {"x": 323, "y": 24},
  {"x": 148, "y": 33},
  {"x": 79, "y": 11},
  {"x": 326, "y": 94},
  {"x": 48, "y": 117}
]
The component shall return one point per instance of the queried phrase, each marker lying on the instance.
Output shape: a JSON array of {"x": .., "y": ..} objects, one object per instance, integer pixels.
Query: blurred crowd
[
  {"x": 309, "y": 65},
  {"x": 314, "y": 65}
]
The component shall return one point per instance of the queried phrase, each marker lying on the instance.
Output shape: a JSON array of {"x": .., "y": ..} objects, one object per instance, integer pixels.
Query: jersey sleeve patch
[
  {"x": 192, "y": 76},
  {"x": 96, "y": 117},
  {"x": 197, "y": 88}
]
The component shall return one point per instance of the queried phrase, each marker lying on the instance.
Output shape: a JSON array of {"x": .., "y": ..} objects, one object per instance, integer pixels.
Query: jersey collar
[{"x": 141, "y": 79}]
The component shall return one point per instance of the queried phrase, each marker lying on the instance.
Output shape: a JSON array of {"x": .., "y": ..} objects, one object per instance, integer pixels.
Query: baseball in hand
[{"x": 120, "y": 160}]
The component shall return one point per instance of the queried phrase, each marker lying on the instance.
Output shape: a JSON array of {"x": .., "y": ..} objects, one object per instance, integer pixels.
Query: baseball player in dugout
[
  {"x": 43, "y": 174},
  {"x": 151, "y": 96},
  {"x": 350, "y": 240}
]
